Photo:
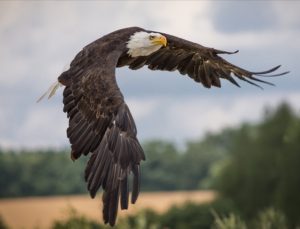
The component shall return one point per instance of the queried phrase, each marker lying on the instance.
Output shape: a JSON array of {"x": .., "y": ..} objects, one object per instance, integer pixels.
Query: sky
[{"x": 39, "y": 39}]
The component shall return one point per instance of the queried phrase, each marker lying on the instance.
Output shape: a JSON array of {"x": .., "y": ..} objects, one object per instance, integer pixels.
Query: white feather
[
  {"x": 51, "y": 91},
  {"x": 139, "y": 44}
]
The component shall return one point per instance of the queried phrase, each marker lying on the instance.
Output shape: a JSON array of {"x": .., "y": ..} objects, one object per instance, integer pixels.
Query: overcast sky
[{"x": 39, "y": 39}]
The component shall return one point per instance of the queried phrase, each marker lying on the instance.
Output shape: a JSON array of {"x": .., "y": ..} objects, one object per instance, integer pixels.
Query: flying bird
[{"x": 100, "y": 122}]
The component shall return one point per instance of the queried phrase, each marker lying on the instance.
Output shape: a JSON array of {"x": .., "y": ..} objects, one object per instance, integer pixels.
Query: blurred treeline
[
  {"x": 253, "y": 167},
  {"x": 188, "y": 216},
  {"x": 47, "y": 172}
]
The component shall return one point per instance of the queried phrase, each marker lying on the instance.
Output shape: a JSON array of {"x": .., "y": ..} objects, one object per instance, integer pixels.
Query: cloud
[
  {"x": 38, "y": 39},
  {"x": 42, "y": 127},
  {"x": 289, "y": 17},
  {"x": 235, "y": 17},
  {"x": 142, "y": 107},
  {"x": 191, "y": 117}
]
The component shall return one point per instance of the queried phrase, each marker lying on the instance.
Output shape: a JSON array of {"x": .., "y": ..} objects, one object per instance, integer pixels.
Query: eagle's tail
[{"x": 51, "y": 91}]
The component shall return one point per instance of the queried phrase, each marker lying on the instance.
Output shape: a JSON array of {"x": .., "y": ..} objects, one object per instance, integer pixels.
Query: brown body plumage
[{"x": 100, "y": 122}]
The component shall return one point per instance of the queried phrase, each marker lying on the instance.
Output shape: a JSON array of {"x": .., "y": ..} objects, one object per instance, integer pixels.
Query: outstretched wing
[
  {"x": 200, "y": 63},
  {"x": 100, "y": 122}
]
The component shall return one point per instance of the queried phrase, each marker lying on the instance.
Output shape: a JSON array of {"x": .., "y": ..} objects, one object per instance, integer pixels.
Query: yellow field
[{"x": 40, "y": 212}]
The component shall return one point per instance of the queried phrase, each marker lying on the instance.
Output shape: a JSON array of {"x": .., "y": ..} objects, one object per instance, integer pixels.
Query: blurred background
[{"x": 235, "y": 150}]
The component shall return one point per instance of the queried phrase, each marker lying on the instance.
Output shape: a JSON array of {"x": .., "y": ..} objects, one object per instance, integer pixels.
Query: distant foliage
[
  {"x": 267, "y": 219},
  {"x": 168, "y": 168},
  {"x": 43, "y": 173},
  {"x": 231, "y": 222},
  {"x": 271, "y": 219},
  {"x": 76, "y": 221},
  {"x": 145, "y": 219},
  {"x": 186, "y": 216},
  {"x": 263, "y": 166},
  {"x": 40, "y": 173},
  {"x": 192, "y": 215}
]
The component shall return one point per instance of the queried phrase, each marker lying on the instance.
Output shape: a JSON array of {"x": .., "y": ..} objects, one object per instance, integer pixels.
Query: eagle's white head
[{"x": 144, "y": 43}]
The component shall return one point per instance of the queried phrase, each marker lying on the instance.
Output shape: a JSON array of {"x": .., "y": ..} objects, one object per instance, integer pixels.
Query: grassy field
[{"x": 40, "y": 212}]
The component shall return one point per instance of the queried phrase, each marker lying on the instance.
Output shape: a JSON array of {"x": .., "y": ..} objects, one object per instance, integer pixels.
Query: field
[{"x": 40, "y": 212}]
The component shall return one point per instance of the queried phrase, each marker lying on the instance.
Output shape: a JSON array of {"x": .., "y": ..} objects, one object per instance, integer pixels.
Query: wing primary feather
[
  {"x": 136, "y": 182},
  {"x": 116, "y": 176},
  {"x": 190, "y": 67},
  {"x": 196, "y": 76},
  {"x": 207, "y": 74},
  {"x": 225, "y": 52},
  {"x": 105, "y": 210},
  {"x": 102, "y": 170},
  {"x": 259, "y": 80},
  {"x": 97, "y": 163},
  {"x": 232, "y": 80},
  {"x": 250, "y": 82},
  {"x": 97, "y": 180},
  {"x": 273, "y": 75},
  {"x": 89, "y": 166},
  {"x": 267, "y": 71},
  {"x": 215, "y": 80},
  {"x": 112, "y": 139},
  {"x": 124, "y": 189},
  {"x": 113, "y": 207}
]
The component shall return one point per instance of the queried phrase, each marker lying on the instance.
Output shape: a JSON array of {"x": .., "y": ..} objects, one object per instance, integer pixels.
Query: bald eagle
[{"x": 100, "y": 122}]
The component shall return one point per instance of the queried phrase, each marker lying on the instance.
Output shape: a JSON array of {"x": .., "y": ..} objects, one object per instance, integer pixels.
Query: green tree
[
  {"x": 160, "y": 171},
  {"x": 76, "y": 221},
  {"x": 28, "y": 173},
  {"x": 266, "y": 219},
  {"x": 199, "y": 157},
  {"x": 264, "y": 165},
  {"x": 194, "y": 216}
]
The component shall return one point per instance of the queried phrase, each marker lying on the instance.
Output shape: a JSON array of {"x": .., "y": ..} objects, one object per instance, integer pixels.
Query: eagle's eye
[{"x": 151, "y": 37}]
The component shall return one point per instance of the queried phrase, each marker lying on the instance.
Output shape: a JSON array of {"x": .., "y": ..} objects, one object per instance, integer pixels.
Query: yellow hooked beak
[{"x": 161, "y": 40}]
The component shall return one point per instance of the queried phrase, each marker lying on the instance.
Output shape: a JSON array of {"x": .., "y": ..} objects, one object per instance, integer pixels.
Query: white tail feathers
[{"x": 51, "y": 91}]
